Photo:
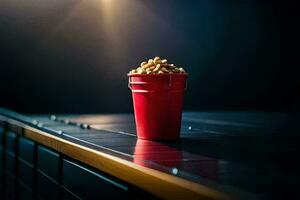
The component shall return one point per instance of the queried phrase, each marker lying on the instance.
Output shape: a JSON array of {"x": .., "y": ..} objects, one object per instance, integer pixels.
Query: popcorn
[{"x": 157, "y": 66}]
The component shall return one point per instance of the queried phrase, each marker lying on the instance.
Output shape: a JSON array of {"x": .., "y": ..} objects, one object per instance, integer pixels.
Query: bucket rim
[{"x": 153, "y": 75}]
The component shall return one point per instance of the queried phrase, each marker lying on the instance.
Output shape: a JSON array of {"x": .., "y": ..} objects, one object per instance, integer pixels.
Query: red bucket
[{"x": 158, "y": 102}]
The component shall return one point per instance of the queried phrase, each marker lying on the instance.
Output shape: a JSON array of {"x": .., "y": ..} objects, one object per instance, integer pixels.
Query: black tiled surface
[
  {"x": 98, "y": 187},
  {"x": 251, "y": 153},
  {"x": 121, "y": 128},
  {"x": 26, "y": 174},
  {"x": 26, "y": 147},
  {"x": 1, "y": 154},
  {"x": 1, "y": 123},
  {"x": 46, "y": 187},
  {"x": 213, "y": 138},
  {"x": 10, "y": 163},
  {"x": 24, "y": 192},
  {"x": 10, "y": 189},
  {"x": 116, "y": 142},
  {"x": 14, "y": 128},
  {"x": 1, "y": 135},
  {"x": 1, "y": 165},
  {"x": 67, "y": 195},
  {"x": 90, "y": 133},
  {"x": 11, "y": 142},
  {"x": 48, "y": 162},
  {"x": 45, "y": 120}
]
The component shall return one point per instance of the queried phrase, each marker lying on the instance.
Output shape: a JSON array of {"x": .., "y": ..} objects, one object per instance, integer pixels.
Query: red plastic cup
[{"x": 157, "y": 102}]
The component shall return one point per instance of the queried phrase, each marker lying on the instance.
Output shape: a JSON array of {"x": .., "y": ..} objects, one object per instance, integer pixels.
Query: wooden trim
[{"x": 160, "y": 184}]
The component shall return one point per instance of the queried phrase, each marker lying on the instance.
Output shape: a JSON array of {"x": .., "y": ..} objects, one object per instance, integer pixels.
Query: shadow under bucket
[{"x": 157, "y": 102}]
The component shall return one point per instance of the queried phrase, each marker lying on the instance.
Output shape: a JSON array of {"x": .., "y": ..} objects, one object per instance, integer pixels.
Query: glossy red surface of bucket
[{"x": 158, "y": 102}]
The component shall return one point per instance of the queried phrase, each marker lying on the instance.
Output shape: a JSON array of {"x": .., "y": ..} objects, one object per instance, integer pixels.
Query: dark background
[{"x": 73, "y": 55}]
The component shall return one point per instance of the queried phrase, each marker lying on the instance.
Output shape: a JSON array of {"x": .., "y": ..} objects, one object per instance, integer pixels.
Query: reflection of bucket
[
  {"x": 157, "y": 101},
  {"x": 145, "y": 151}
]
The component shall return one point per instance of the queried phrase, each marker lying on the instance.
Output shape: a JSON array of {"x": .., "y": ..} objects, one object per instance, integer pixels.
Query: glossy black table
[{"x": 242, "y": 155}]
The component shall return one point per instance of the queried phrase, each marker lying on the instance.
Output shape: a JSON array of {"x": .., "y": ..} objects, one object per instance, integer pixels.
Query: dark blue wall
[{"x": 73, "y": 55}]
